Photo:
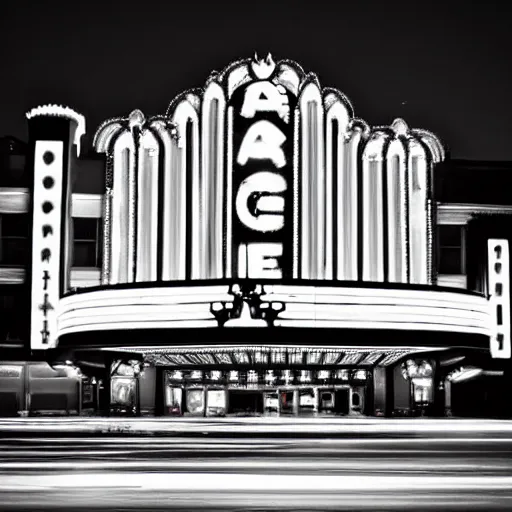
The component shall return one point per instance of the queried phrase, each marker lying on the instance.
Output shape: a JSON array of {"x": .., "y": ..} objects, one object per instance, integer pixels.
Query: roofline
[{"x": 455, "y": 162}]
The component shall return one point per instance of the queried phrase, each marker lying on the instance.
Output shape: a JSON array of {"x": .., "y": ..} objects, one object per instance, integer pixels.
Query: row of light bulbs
[{"x": 270, "y": 375}]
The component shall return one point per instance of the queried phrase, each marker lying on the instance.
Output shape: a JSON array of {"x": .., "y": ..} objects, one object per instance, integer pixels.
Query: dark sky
[{"x": 442, "y": 66}]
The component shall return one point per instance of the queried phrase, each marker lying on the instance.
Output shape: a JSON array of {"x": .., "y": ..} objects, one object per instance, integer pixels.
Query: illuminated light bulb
[
  {"x": 305, "y": 376},
  {"x": 252, "y": 376},
  {"x": 342, "y": 374},
  {"x": 288, "y": 377},
  {"x": 269, "y": 377}
]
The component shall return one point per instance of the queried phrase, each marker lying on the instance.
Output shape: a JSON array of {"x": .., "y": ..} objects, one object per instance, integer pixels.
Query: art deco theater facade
[{"x": 263, "y": 252}]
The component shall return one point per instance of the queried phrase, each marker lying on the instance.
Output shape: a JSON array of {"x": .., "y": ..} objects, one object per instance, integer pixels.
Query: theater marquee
[{"x": 264, "y": 174}]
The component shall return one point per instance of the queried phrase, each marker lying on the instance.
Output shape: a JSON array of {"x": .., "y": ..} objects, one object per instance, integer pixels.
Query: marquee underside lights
[
  {"x": 257, "y": 175},
  {"x": 277, "y": 356},
  {"x": 277, "y": 305}
]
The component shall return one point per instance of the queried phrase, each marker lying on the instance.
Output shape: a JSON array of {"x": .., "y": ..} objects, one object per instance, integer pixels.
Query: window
[
  {"x": 13, "y": 239},
  {"x": 12, "y": 170},
  {"x": 87, "y": 242},
  {"x": 13, "y": 312},
  {"x": 451, "y": 247}
]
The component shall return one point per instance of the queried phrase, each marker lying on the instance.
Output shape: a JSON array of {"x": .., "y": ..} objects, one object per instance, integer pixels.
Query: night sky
[{"x": 443, "y": 66}]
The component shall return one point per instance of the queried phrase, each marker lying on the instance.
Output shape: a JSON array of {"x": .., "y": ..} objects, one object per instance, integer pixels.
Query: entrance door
[
  {"x": 287, "y": 405},
  {"x": 246, "y": 403},
  {"x": 341, "y": 401}
]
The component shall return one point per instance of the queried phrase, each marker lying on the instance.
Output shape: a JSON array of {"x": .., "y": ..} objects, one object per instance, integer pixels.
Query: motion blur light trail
[
  {"x": 257, "y": 425},
  {"x": 275, "y": 464}
]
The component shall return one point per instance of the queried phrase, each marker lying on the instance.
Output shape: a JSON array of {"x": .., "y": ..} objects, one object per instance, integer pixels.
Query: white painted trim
[
  {"x": 308, "y": 306},
  {"x": 85, "y": 277},
  {"x": 87, "y": 205},
  {"x": 140, "y": 308},
  {"x": 16, "y": 200},
  {"x": 460, "y": 213},
  {"x": 452, "y": 280}
]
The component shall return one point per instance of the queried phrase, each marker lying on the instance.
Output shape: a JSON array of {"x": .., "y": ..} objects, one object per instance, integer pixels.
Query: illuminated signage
[
  {"x": 264, "y": 174},
  {"x": 262, "y": 180},
  {"x": 46, "y": 242},
  {"x": 499, "y": 297}
]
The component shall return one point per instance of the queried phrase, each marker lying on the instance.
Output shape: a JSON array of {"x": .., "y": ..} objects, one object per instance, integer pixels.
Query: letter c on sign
[{"x": 259, "y": 188}]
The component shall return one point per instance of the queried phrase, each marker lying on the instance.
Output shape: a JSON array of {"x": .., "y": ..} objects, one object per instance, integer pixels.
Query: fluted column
[
  {"x": 396, "y": 212},
  {"x": 316, "y": 231},
  {"x": 373, "y": 210}
]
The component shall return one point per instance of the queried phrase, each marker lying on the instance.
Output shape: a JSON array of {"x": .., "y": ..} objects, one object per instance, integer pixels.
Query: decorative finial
[
  {"x": 263, "y": 68},
  {"x": 61, "y": 111},
  {"x": 400, "y": 127},
  {"x": 136, "y": 119}
]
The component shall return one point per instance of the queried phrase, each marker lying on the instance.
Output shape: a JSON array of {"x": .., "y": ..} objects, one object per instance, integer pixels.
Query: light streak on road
[
  {"x": 331, "y": 464},
  {"x": 258, "y": 425},
  {"x": 234, "y": 482}
]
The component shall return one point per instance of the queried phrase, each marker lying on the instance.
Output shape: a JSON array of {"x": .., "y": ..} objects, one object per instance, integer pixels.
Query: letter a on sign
[
  {"x": 265, "y": 97},
  {"x": 263, "y": 140}
]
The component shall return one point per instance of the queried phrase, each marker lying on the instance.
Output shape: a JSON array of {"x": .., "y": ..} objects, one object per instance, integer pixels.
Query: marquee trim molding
[{"x": 297, "y": 306}]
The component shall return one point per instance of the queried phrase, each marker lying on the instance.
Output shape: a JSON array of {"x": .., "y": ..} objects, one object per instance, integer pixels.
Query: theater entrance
[
  {"x": 342, "y": 401},
  {"x": 245, "y": 402}
]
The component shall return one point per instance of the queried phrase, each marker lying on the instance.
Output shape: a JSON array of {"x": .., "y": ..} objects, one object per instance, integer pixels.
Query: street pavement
[{"x": 255, "y": 464}]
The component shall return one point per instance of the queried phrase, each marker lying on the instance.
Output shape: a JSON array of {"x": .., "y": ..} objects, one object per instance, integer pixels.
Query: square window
[
  {"x": 451, "y": 249},
  {"x": 85, "y": 228},
  {"x": 450, "y": 236},
  {"x": 450, "y": 260},
  {"x": 86, "y": 242},
  {"x": 14, "y": 239}
]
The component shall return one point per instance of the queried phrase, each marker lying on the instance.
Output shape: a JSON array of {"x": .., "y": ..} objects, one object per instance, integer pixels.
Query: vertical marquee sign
[
  {"x": 52, "y": 130},
  {"x": 262, "y": 180},
  {"x": 46, "y": 242},
  {"x": 499, "y": 296}
]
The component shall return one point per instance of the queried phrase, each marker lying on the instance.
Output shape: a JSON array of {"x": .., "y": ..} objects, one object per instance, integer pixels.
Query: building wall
[{"x": 38, "y": 388}]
